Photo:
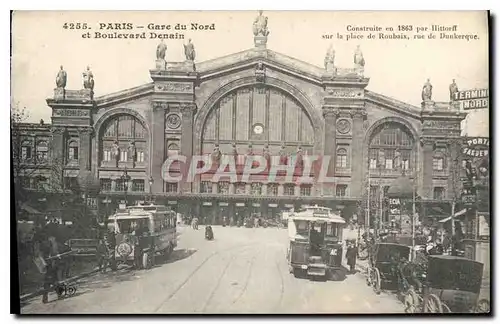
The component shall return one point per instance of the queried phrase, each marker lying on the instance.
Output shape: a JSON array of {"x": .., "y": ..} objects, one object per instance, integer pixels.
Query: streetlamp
[
  {"x": 106, "y": 201},
  {"x": 151, "y": 180},
  {"x": 125, "y": 178}
]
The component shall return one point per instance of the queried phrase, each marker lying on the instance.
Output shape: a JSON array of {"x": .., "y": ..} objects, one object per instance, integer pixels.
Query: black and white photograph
[{"x": 251, "y": 162}]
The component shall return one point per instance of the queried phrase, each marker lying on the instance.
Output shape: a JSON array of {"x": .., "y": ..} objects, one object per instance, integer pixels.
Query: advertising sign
[{"x": 473, "y": 99}]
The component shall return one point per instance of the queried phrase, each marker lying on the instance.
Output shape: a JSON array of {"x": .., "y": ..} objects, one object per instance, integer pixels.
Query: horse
[{"x": 209, "y": 233}]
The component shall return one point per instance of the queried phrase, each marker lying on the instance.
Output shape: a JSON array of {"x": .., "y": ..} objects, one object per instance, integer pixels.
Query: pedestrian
[
  {"x": 53, "y": 275},
  {"x": 351, "y": 254},
  {"x": 110, "y": 244}
]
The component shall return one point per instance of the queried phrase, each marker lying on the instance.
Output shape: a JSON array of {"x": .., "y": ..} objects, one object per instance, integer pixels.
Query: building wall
[{"x": 175, "y": 108}]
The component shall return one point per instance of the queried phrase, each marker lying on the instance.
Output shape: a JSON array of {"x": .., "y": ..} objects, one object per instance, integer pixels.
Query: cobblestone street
[{"x": 244, "y": 270}]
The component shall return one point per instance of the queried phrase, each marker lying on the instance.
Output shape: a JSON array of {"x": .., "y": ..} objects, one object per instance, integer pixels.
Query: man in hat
[{"x": 351, "y": 253}]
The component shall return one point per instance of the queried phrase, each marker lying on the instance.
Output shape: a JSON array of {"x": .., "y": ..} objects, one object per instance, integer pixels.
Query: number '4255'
[{"x": 75, "y": 26}]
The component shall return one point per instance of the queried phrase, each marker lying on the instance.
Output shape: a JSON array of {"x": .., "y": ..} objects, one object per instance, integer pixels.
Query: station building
[{"x": 253, "y": 102}]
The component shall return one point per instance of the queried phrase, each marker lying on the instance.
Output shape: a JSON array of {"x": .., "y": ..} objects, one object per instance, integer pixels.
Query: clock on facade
[
  {"x": 258, "y": 129},
  {"x": 343, "y": 126},
  {"x": 173, "y": 121}
]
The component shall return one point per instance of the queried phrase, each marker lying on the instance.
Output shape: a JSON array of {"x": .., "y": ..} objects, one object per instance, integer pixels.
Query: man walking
[{"x": 351, "y": 253}]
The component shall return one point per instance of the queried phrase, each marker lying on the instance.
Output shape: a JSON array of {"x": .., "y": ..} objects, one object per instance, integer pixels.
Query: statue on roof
[
  {"x": 61, "y": 78},
  {"x": 260, "y": 25},
  {"x": 453, "y": 90},
  {"x": 161, "y": 51},
  {"x": 189, "y": 51},
  {"x": 330, "y": 59},
  {"x": 359, "y": 60},
  {"x": 427, "y": 91},
  {"x": 88, "y": 79}
]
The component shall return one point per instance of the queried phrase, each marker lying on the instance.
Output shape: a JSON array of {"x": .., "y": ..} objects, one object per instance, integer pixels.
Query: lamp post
[
  {"x": 151, "y": 181},
  {"x": 125, "y": 179},
  {"x": 106, "y": 201}
]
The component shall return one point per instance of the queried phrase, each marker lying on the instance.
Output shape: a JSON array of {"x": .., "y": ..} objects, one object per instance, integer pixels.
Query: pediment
[
  {"x": 242, "y": 60},
  {"x": 385, "y": 102},
  {"x": 124, "y": 95}
]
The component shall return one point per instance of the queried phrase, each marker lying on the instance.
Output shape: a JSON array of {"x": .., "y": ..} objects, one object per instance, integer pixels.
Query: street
[{"x": 244, "y": 270}]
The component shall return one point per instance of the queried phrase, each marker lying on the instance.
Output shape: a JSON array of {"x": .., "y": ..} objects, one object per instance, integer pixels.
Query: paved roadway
[{"x": 244, "y": 270}]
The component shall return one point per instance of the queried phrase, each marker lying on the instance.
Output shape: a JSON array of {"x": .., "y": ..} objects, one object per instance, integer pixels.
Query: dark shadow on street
[
  {"x": 90, "y": 284},
  {"x": 339, "y": 274},
  {"x": 175, "y": 256}
]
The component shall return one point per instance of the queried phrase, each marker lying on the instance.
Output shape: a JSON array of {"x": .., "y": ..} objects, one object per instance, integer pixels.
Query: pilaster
[
  {"x": 358, "y": 134},
  {"x": 427, "y": 170},
  {"x": 85, "y": 134}
]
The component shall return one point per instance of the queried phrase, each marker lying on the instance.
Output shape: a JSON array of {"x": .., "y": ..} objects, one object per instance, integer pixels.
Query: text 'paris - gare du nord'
[{"x": 307, "y": 169}]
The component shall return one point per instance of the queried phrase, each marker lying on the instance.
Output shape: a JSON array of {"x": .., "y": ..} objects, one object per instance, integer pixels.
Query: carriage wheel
[
  {"x": 446, "y": 309},
  {"x": 369, "y": 277},
  {"x": 377, "y": 283},
  {"x": 483, "y": 306},
  {"x": 411, "y": 301},
  {"x": 433, "y": 304}
]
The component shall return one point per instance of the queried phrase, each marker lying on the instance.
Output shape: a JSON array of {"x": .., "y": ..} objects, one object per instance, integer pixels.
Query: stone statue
[
  {"x": 88, "y": 79},
  {"x": 283, "y": 154},
  {"x": 299, "y": 157},
  {"x": 115, "y": 150},
  {"x": 216, "y": 154},
  {"x": 397, "y": 160},
  {"x": 250, "y": 149},
  {"x": 61, "y": 78},
  {"x": 359, "y": 60},
  {"x": 189, "y": 51},
  {"x": 453, "y": 90},
  {"x": 260, "y": 25},
  {"x": 260, "y": 72},
  {"x": 427, "y": 91},
  {"x": 330, "y": 59},
  {"x": 381, "y": 159},
  {"x": 132, "y": 151},
  {"x": 161, "y": 50}
]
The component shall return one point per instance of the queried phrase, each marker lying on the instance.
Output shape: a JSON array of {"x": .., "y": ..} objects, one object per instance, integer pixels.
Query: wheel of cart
[
  {"x": 383, "y": 272},
  {"x": 453, "y": 285},
  {"x": 483, "y": 306}
]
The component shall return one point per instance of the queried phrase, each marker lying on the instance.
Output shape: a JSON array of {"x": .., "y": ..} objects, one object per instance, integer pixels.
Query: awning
[
  {"x": 207, "y": 203},
  {"x": 289, "y": 206},
  {"x": 273, "y": 205},
  {"x": 223, "y": 204},
  {"x": 460, "y": 213},
  {"x": 240, "y": 204},
  {"x": 172, "y": 202},
  {"x": 255, "y": 205}
]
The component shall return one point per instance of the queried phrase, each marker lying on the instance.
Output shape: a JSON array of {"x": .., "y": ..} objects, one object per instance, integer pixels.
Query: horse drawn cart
[{"x": 446, "y": 284}]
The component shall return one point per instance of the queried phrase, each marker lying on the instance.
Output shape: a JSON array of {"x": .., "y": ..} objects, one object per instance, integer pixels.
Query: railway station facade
[{"x": 255, "y": 102}]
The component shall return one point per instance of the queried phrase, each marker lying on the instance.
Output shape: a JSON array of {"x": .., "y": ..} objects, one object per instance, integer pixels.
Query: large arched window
[
  {"x": 258, "y": 116},
  {"x": 391, "y": 148},
  {"x": 123, "y": 139}
]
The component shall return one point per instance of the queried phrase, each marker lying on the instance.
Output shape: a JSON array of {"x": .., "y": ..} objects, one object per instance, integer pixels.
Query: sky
[{"x": 396, "y": 68}]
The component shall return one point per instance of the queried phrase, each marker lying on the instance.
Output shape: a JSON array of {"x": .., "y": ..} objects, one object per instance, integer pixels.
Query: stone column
[
  {"x": 248, "y": 188},
  {"x": 157, "y": 153},
  {"x": 188, "y": 111},
  {"x": 58, "y": 150},
  {"x": 358, "y": 164},
  {"x": 215, "y": 187},
  {"x": 428, "y": 157},
  {"x": 85, "y": 147},
  {"x": 330, "y": 116},
  {"x": 454, "y": 165},
  {"x": 232, "y": 188}
]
